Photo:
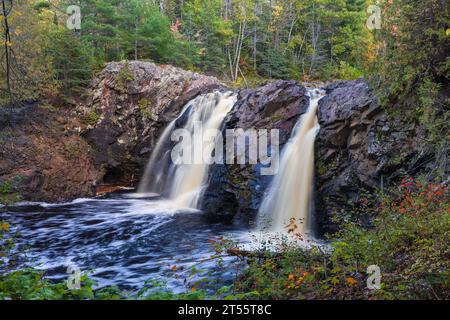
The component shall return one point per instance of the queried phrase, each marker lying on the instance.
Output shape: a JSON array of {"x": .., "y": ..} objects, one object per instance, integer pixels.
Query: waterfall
[
  {"x": 183, "y": 183},
  {"x": 289, "y": 195}
]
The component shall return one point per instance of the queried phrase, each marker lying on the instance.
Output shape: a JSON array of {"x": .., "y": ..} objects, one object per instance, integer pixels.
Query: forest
[
  {"x": 239, "y": 41},
  {"x": 89, "y": 90}
]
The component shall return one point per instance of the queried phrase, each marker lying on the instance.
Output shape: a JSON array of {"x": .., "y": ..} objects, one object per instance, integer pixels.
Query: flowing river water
[{"x": 124, "y": 239}]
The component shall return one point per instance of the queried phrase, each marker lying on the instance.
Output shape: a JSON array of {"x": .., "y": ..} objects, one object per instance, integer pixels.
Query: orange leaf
[{"x": 351, "y": 281}]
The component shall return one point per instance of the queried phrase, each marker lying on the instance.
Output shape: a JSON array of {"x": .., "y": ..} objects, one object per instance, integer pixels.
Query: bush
[
  {"x": 409, "y": 241},
  {"x": 8, "y": 194}
]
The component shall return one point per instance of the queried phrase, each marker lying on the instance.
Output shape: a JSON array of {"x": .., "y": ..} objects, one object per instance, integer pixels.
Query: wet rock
[
  {"x": 358, "y": 150},
  {"x": 128, "y": 106},
  {"x": 237, "y": 190}
]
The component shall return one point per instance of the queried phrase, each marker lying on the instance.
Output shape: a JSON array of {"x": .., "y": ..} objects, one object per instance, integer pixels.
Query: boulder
[
  {"x": 358, "y": 149},
  {"x": 236, "y": 190},
  {"x": 128, "y": 105}
]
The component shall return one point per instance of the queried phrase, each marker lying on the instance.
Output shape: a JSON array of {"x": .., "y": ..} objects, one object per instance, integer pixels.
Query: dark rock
[
  {"x": 357, "y": 150},
  {"x": 237, "y": 190},
  {"x": 130, "y": 104}
]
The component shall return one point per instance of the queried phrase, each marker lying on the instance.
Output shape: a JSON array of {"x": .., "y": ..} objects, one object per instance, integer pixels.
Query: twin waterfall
[
  {"x": 183, "y": 183},
  {"x": 290, "y": 192},
  {"x": 288, "y": 199}
]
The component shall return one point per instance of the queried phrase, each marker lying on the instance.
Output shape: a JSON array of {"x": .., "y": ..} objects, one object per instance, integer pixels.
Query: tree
[
  {"x": 206, "y": 24},
  {"x": 413, "y": 68},
  {"x": 99, "y": 27},
  {"x": 415, "y": 45},
  {"x": 30, "y": 69},
  {"x": 71, "y": 58}
]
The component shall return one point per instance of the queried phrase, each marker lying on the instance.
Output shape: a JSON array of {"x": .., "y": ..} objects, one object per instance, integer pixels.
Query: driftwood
[
  {"x": 239, "y": 253},
  {"x": 102, "y": 190}
]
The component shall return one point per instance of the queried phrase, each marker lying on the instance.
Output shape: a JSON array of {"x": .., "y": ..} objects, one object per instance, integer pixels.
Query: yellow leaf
[
  {"x": 4, "y": 226},
  {"x": 174, "y": 268},
  {"x": 193, "y": 289}
]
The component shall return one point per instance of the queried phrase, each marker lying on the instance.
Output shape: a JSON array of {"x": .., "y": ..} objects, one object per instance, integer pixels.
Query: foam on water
[{"x": 125, "y": 240}]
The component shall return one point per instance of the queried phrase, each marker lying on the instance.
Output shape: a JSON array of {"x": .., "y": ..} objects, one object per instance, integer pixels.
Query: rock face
[
  {"x": 60, "y": 154},
  {"x": 358, "y": 150},
  {"x": 236, "y": 190},
  {"x": 60, "y": 150},
  {"x": 128, "y": 106},
  {"x": 43, "y": 158}
]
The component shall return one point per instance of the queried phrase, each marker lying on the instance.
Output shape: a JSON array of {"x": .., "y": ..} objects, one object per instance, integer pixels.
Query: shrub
[{"x": 409, "y": 241}]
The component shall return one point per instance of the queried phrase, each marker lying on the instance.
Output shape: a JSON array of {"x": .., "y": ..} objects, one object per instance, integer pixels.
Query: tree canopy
[{"x": 236, "y": 40}]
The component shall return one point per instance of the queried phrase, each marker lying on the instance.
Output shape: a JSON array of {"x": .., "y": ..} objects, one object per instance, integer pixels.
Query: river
[{"x": 125, "y": 239}]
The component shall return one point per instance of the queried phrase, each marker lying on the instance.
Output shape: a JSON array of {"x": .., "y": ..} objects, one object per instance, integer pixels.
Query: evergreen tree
[{"x": 71, "y": 58}]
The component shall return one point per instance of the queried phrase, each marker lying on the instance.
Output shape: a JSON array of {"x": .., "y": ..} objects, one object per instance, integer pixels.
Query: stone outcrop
[
  {"x": 43, "y": 157},
  {"x": 236, "y": 190},
  {"x": 359, "y": 150},
  {"x": 107, "y": 137},
  {"x": 64, "y": 149},
  {"x": 128, "y": 106}
]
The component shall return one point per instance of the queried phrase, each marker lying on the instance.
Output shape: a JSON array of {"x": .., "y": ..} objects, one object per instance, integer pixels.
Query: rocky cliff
[
  {"x": 108, "y": 137},
  {"x": 360, "y": 149},
  {"x": 59, "y": 150},
  {"x": 236, "y": 190},
  {"x": 128, "y": 106},
  {"x": 43, "y": 156}
]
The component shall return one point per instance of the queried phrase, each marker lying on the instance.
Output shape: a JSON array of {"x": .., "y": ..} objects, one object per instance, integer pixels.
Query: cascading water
[
  {"x": 183, "y": 183},
  {"x": 289, "y": 195}
]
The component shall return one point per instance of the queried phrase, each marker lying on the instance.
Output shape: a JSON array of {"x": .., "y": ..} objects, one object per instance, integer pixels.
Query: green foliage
[
  {"x": 124, "y": 77},
  {"x": 30, "y": 284},
  {"x": 409, "y": 241},
  {"x": 31, "y": 73},
  {"x": 8, "y": 193},
  {"x": 238, "y": 40},
  {"x": 275, "y": 64},
  {"x": 91, "y": 118},
  {"x": 145, "y": 109},
  {"x": 347, "y": 71},
  {"x": 411, "y": 74},
  {"x": 416, "y": 42},
  {"x": 204, "y": 25},
  {"x": 71, "y": 58}
]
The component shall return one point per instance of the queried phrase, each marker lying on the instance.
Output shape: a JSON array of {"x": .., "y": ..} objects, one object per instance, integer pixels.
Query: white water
[
  {"x": 288, "y": 199},
  {"x": 183, "y": 183}
]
